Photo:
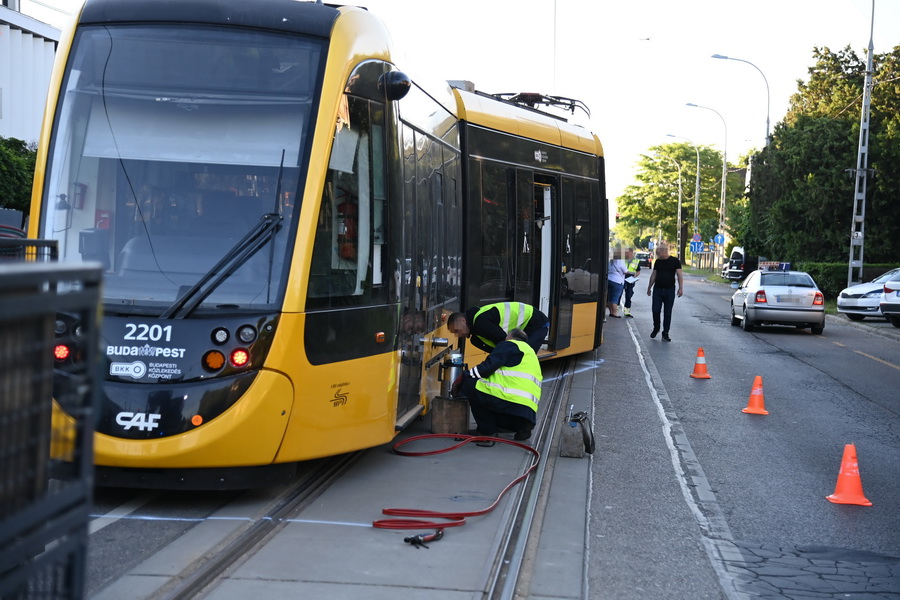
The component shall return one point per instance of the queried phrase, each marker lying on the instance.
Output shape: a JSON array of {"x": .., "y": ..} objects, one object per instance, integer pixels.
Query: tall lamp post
[
  {"x": 768, "y": 94},
  {"x": 680, "y": 201},
  {"x": 696, "y": 187},
  {"x": 719, "y": 248}
]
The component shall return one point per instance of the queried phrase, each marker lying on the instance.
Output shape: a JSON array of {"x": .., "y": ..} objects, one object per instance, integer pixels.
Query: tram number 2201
[{"x": 143, "y": 332}]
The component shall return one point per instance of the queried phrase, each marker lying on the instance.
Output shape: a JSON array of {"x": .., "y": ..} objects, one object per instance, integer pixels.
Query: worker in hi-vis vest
[
  {"x": 486, "y": 326},
  {"x": 633, "y": 266},
  {"x": 504, "y": 390}
]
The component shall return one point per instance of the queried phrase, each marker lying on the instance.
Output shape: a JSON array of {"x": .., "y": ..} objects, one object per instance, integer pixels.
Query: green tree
[
  {"x": 801, "y": 194},
  {"x": 16, "y": 173},
  {"x": 651, "y": 204}
]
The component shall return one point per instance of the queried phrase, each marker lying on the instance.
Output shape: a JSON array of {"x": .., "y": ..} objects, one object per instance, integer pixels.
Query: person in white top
[{"x": 615, "y": 284}]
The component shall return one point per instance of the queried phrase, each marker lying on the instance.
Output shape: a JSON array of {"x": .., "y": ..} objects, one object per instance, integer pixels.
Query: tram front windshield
[{"x": 172, "y": 143}]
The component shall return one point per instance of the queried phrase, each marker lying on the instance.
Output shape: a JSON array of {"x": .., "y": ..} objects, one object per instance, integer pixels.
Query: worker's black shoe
[
  {"x": 654, "y": 332},
  {"x": 522, "y": 435},
  {"x": 482, "y": 443},
  {"x": 666, "y": 337}
]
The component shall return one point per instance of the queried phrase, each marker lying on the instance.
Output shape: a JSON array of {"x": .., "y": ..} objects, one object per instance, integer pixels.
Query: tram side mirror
[{"x": 395, "y": 84}]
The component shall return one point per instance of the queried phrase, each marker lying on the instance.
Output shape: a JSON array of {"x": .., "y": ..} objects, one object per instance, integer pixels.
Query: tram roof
[
  {"x": 479, "y": 109},
  {"x": 280, "y": 15}
]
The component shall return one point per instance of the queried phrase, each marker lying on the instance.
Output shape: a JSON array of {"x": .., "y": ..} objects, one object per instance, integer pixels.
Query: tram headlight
[
  {"x": 240, "y": 357},
  {"x": 247, "y": 334},
  {"x": 60, "y": 326}
]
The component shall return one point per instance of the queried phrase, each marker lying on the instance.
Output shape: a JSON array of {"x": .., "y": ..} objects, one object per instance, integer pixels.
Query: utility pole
[{"x": 858, "y": 225}]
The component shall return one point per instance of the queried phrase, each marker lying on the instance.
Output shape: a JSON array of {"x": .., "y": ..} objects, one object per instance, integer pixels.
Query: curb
[{"x": 891, "y": 334}]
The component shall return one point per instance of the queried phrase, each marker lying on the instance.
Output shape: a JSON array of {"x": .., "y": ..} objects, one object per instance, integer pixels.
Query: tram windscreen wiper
[{"x": 242, "y": 251}]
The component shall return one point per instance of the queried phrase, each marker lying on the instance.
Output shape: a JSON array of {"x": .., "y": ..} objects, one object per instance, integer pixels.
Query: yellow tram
[{"x": 285, "y": 219}]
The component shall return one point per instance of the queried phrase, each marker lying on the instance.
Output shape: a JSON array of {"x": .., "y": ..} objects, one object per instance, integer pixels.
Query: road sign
[
  {"x": 719, "y": 239},
  {"x": 650, "y": 245},
  {"x": 696, "y": 247},
  {"x": 696, "y": 238}
]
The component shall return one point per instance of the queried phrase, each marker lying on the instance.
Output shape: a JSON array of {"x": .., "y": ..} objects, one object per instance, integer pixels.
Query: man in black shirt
[{"x": 666, "y": 270}]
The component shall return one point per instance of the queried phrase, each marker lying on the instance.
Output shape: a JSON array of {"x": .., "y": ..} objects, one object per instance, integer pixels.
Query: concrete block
[
  {"x": 449, "y": 415},
  {"x": 571, "y": 442}
]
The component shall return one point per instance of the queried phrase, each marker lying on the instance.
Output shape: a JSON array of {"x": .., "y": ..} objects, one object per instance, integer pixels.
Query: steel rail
[
  {"x": 506, "y": 570},
  {"x": 207, "y": 569}
]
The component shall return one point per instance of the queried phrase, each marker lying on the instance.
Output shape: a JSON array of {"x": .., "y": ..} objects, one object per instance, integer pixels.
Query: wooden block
[{"x": 449, "y": 415}]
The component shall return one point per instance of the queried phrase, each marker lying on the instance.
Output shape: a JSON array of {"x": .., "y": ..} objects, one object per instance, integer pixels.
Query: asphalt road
[{"x": 767, "y": 476}]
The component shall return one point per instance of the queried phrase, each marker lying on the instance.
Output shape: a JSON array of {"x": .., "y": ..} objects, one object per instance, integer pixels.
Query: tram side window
[
  {"x": 494, "y": 232},
  {"x": 587, "y": 266},
  {"x": 347, "y": 267}
]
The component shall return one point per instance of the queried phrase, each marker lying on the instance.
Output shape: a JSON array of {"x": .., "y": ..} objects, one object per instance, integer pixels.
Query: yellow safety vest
[
  {"x": 633, "y": 265},
  {"x": 520, "y": 384},
  {"x": 513, "y": 315}
]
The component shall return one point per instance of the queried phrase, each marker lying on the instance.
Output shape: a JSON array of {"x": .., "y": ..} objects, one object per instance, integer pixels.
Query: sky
[{"x": 635, "y": 63}]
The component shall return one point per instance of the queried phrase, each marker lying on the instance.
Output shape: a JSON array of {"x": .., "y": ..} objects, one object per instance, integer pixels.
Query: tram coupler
[
  {"x": 577, "y": 436},
  {"x": 420, "y": 540}
]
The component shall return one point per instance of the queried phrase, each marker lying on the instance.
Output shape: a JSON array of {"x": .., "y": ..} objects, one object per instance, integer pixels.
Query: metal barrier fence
[
  {"x": 15, "y": 249},
  {"x": 48, "y": 389}
]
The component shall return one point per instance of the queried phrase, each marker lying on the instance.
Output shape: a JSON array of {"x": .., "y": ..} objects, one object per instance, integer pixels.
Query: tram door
[
  {"x": 412, "y": 315},
  {"x": 543, "y": 251}
]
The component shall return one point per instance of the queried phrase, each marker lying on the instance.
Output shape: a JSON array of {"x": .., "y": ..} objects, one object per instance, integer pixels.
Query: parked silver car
[
  {"x": 890, "y": 300},
  {"x": 862, "y": 300},
  {"x": 780, "y": 298}
]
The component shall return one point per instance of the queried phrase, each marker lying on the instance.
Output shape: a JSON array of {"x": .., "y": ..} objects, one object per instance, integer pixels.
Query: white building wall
[{"x": 26, "y": 63}]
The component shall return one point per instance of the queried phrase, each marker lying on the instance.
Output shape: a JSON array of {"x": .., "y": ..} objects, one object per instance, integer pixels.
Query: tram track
[
  {"x": 507, "y": 575},
  {"x": 228, "y": 550},
  {"x": 203, "y": 573},
  {"x": 506, "y": 581}
]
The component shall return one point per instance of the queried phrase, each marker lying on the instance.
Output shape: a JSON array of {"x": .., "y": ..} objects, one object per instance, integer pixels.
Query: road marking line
[
  {"x": 121, "y": 511},
  {"x": 715, "y": 534},
  {"x": 839, "y": 344},
  {"x": 884, "y": 362}
]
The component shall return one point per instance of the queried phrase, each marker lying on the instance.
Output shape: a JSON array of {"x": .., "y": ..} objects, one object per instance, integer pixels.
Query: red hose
[{"x": 455, "y": 519}]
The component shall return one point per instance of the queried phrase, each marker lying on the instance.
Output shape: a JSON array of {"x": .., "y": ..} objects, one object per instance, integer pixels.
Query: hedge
[{"x": 832, "y": 277}]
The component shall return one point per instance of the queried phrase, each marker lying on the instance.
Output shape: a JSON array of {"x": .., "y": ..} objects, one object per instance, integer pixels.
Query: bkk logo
[
  {"x": 143, "y": 421},
  {"x": 135, "y": 369}
]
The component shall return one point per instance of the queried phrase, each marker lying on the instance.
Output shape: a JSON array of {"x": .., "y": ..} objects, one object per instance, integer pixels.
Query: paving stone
[
  {"x": 770, "y": 570},
  {"x": 791, "y": 561},
  {"x": 823, "y": 570},
  {"x": 806, "y": 583}
]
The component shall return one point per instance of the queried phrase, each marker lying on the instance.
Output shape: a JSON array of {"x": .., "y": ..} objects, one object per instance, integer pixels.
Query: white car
[
  {"x": 890, "y": 300},
  {"x": 779, "y": 298},
  {"x": 863, "y": 300}
]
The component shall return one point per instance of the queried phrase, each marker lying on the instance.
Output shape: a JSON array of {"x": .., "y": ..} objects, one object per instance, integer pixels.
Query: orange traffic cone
[
  {"x": 700, "y": 366},
  {"x": 849, "y": 485},
  {"x": 756, "y": 405}
]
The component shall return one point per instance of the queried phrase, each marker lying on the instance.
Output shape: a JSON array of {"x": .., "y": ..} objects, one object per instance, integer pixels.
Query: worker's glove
[{"x": 457, "y": 383}]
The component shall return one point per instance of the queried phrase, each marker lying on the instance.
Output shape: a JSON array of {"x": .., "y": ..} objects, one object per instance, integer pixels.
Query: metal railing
[{"x": 48, "y": 390}]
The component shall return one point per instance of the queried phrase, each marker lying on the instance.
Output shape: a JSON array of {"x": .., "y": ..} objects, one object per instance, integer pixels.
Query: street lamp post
[
  {"x": 768, "y": 95},
  {"x": 719, "y": 247},
  {"x": 680, "y": 203},
  {"x": 696, "y": 187}
]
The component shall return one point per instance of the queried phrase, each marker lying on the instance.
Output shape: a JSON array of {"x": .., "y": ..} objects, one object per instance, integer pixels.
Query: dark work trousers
[
  {"x": 537, "y": 337},
  {"x": 493, "y": 414},
  {"x": 663, "y": 299},
  {"x": 629, "y": 292}
]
